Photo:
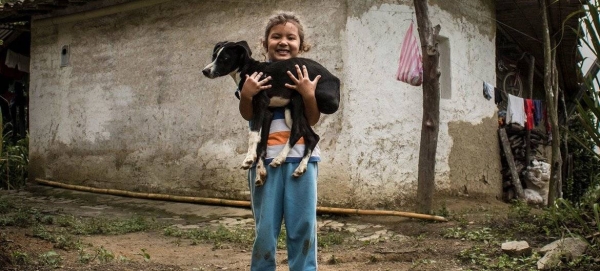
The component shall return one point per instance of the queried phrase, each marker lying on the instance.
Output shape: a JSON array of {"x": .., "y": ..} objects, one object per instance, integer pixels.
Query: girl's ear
[{"x": 264, "y": 45}]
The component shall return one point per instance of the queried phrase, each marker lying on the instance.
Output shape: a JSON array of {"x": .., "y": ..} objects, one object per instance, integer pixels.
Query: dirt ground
[{"x": 414, "y": 244}]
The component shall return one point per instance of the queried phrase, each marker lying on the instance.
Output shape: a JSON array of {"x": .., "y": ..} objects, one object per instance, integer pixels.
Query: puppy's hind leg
[
  {"x": 253, "y": 140},
  {"x": 261, "y": 149},
  {"x": 261, "y": 173},
  {"x": 260, "y": 102},
  {"x": 277, "y": 161},
  {"x": 310, "y": 139}
]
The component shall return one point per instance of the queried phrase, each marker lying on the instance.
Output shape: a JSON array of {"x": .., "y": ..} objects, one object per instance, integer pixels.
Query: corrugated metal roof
[
  {"x": 520, "y": 20},
  {"x": 22, "y": 10}
]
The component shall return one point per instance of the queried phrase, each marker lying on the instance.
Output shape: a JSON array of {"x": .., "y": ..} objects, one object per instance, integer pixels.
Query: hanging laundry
[
  {"x": 538, "y": 113},
  {"x": 12, "y": 59},
  {"x": 17, "y": 61},
  {"x": 497, "y": 96},
  {"x": 515, "y": 110},
  {"x": 529, "y": 108},
  {"x": 488, "y": 90},
  {"x": 410, "y": 66}
]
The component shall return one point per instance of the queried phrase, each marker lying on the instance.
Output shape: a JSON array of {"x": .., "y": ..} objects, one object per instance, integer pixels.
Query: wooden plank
[{"x": 511, "y": 163}]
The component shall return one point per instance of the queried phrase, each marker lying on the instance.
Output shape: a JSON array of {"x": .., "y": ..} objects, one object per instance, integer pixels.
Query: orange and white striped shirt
[{"x": 278, "y": 136}]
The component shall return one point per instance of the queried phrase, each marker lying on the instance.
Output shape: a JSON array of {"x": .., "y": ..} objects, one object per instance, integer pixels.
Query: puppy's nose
[{"x": 206, "y": 72}]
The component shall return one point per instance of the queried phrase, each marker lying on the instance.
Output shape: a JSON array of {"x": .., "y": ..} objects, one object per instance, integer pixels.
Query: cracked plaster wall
[{"x": 132, "y": 110}]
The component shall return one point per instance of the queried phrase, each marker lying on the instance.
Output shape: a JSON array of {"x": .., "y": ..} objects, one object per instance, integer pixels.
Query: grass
[
  {"x": 64, "y": 232},
  {"x": 244, "y": 237}
]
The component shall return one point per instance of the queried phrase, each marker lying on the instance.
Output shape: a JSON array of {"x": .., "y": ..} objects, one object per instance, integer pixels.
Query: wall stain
[{"x": 474, "y": 160}]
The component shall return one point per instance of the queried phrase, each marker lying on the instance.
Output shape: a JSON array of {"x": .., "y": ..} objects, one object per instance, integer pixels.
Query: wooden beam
[{"x": 510, "y": 160}]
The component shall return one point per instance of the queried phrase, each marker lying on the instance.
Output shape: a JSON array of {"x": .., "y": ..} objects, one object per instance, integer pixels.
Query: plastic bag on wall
[{"x": 410, "y": 67}]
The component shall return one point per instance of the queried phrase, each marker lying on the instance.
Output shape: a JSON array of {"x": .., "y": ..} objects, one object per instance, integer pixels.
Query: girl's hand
[
  {"x": 253, "y": 85},
  {"x": 306, "y": 88},
  {"x": 302, "y": 83}
]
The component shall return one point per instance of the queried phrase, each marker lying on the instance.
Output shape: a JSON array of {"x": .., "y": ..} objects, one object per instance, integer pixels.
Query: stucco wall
[{"x": 132, "y": 110}]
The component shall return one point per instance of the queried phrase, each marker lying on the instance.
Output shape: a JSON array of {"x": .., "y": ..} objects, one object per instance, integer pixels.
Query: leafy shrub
[{"x": 14, "y": 161}]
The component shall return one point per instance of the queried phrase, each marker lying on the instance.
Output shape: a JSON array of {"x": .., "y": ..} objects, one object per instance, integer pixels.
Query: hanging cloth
[
  {"x": 488, "y": 90},
  {"x": 529, "y": 112},
  {"x": 410, "y": 66},
  {"x": 515, "y": 110},
  {"x": 538, "y": 113}
]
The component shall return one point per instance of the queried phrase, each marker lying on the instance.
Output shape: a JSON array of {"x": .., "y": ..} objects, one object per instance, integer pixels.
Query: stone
[
  {"x": 516, "y": 248},
  {"x": 551, "y": 259},
  {"x": 574, "y": 246},
  {"x": 569, "y": 248}
]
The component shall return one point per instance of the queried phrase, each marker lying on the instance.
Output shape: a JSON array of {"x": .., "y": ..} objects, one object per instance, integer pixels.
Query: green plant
[
  {"x": 85, "y": 257},
  {"x": 14, "y": 161},
  {"x": 20, "y": 258},
  {"x": 584, "y": 165},
  {"x": 328, "y": 239},
  {"x": 51, "y": 258},
  {"x": 482, "y": 234},
  {"x": 144, "y": 255},
  {"x": 104, "y": 255}
]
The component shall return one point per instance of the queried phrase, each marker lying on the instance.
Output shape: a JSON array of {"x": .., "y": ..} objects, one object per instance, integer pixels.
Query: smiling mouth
[{"x": 282, "y": 51}]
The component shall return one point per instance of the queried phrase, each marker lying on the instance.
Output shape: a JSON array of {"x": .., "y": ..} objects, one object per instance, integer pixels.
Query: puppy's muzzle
[{"x": 207, "y": 72}]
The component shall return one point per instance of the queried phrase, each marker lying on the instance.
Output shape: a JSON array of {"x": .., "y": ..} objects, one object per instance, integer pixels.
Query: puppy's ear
[
  {"x": 245, "y": 46},
  {"x": 219, "y": 45}
]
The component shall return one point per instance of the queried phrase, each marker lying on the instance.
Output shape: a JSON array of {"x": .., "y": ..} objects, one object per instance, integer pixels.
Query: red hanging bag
[{"x": 410, "y": 66}]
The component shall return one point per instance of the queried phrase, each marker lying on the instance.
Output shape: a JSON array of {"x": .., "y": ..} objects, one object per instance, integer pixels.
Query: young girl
[{"x": 284, "y": 197}]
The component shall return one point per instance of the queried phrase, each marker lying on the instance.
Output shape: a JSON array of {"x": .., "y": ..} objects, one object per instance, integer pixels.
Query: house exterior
[{"x": 117, "y": 98}]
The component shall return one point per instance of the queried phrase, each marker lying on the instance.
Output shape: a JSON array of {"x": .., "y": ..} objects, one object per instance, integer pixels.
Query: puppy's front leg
[
  {"x": 277, "y": 161},
  {"x": 302, "y": 166},
  {"x": 253, "y": 139}
]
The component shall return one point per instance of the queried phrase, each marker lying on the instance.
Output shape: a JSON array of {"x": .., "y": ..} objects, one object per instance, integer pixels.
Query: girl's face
[{"x": 283, "y": 42}]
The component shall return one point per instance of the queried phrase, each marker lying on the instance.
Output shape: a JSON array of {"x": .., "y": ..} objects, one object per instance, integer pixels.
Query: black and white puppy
[{"x": 234, "y": 58}]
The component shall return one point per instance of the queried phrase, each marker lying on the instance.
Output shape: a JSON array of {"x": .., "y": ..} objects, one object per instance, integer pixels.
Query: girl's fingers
[
  {"x": 265, "y": 80},
  {"x": 317, "y": 79},
  {"x": 290, "y": 86},
  {"x": 292, "y": 76},
  {"x": 304, "y": 71},
  {"x": 300, "y": 75}
]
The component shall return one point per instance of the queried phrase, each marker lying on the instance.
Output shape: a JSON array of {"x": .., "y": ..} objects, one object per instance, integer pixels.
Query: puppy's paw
[
  {"x": 277, "y": 161},
  {"x": 299, "y": 171},
  {"x": 259, "y": 181},
  {"x": 248, "y": 161}
]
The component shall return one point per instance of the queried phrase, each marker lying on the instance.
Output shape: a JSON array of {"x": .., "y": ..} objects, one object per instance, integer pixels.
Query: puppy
[{"x": 234, "y": 58}]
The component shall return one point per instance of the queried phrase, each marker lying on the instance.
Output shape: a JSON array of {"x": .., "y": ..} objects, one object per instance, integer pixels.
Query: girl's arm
[
  {"x": 306, "y": 88},
  {"x": 251, "y": 87}
]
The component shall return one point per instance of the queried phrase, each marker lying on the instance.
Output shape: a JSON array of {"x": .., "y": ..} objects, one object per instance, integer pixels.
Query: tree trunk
[
  {"x": 549, "y": 82},
  {"x": 431, "y": 107}
]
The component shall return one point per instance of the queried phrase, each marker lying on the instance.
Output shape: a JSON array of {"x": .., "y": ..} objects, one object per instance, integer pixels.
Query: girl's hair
[{"x": 283, "y": 18}]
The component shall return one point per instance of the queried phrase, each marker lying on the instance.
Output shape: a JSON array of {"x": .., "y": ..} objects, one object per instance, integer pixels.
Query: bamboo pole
[{"x": 234, "y": 203}]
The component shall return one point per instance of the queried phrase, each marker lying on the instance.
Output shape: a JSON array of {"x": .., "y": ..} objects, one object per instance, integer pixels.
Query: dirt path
[{"x": 370, "y": 243}]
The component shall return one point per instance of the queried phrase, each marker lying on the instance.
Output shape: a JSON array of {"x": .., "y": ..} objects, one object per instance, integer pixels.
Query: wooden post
[
  {"x": 551, "y": 107},
  {"x": 431, "y": 107},
  {"x": 510, "y": 160},
  {"x": 528, "y": 132}
]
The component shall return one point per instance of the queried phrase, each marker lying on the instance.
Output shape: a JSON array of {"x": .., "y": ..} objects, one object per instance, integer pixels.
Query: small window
[
  {"x": 445, "y": 68},
  {"x": 64, "y": 56}
]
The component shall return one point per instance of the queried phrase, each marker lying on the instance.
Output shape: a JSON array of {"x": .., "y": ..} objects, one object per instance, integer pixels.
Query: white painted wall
[{"x": 133, "y": 112}]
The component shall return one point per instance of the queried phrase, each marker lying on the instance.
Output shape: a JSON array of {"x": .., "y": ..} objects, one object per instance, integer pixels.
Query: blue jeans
[{"x": 294, "y": 200}]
